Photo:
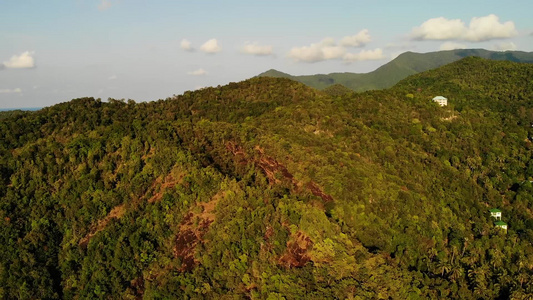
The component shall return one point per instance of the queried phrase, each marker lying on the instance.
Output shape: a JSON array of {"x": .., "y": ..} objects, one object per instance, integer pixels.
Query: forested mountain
[
  {"x": 269, "y": 189},
  {"x": 406, "y": 64}
]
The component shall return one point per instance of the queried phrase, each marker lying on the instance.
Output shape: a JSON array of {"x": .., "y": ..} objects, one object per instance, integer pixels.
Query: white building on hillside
[
  {"x": 496, "y": 213},
  {"x": 442, "y": 101}
]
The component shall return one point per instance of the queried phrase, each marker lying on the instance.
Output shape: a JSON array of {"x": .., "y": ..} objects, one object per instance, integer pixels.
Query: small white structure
[
  {"x": 501, "y": 224},
  {"x": 442, "y": 101},
  {"x": 496, "y": 213}
]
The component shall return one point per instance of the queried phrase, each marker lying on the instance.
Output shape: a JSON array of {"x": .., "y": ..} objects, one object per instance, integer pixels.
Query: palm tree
[
  {"x": 456, "y": 272},
  {"x": 443, "y": 267},
  {"x": 496, "y": 257},
  {"x": 478, "y": 276},
  {"x": 522, "y": 277}
]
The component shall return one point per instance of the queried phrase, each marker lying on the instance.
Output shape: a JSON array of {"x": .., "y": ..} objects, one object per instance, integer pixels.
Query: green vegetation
[
  {"x": 337, "y": 90},
  {"x": 12, "y": 113},
  {"x": 406, "y": 64},
  {"x": 269, "y": 189}
]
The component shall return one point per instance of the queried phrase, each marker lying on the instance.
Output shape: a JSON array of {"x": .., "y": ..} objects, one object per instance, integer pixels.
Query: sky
[{"x": 57, "y": 50}]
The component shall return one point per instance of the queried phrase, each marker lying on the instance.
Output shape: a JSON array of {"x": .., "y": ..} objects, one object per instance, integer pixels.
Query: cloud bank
[
  {"x": 199, "y": 72},
  {"x": 22, "y": 61},
  {"x": 360, "y": 39},
  {"x": 186, "y": 45},
  {"x": 10, "y": 91},
  {"x": 506, "y": 46},
  {"x": 328, "y": 49},
  {"x": 256, "y": 49},
  {"x": 480, "y": 29},
  {"x": 211, "y": 46},
  {"x": 452, "y": 46},
  {"x": 375, "y": 54},
  {"x": 324, "y": 50}
]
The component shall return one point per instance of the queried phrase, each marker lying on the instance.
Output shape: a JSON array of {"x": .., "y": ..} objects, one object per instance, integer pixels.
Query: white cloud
[
  {"x": 452, "y": 46},
  {"x": 325, "y": 50},
  {"x": 23, "y": 61},
  {"x": 333, "y": 52},
  {"x": 488, "y": 28},
  {"x": 112, "y": 77},
  {"x": 211, "y": 46},
  {"x": 328, "y": 42},
  {"x": 255, "y": 49},
  {"x": 104, "y": 5},
  {"x": 186, "y": 45},
  {"x": 10, "y": 91},
  {"x": 360, "y": 39},
  {"x": 328, "y": 49},
  {"x": 199, "y": 72},
  {"x": 504, "y": 46},
  {"x": 480, "y": 29},
  {"x": 439, "y": 29},
  {"x": 375, "y": 54}
]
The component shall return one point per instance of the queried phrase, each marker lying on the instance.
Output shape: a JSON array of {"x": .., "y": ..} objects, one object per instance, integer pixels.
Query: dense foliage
[
  {"x": 268, "y": 189},
  {"x": 12, "y": 113}
]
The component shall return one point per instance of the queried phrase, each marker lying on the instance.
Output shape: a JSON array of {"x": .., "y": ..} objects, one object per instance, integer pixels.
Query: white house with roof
[
  {"x": 442, "y": 101},
  {"x": 501, "y": 224},
  {"x": 496, "y": 213}
]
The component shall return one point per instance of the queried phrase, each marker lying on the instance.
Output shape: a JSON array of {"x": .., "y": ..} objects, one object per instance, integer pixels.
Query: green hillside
[
  {"x": 12, "y": 113},
  {"x": 269, "y": 189},
  {"x": 337, "y": 90},
  {"x": 406, "y": 64}
]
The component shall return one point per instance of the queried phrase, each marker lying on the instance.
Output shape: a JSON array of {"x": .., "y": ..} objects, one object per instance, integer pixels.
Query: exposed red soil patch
[
  {"x": 271, "y": 167},
  {"x": 137, "y": 285},
  {"x": 317, "y": 191},
  {"x": 186, "y": 242},
  {"x": 296, "y": 254},
  {"x": 238, "y": 152},
  {"x": 116, "y": 213},
  {"x": 150, "y": 154},
  {"x": 268, "y": 233},
  {"x": 267, "y": 246},
  {"x": 191, "y": 231}
]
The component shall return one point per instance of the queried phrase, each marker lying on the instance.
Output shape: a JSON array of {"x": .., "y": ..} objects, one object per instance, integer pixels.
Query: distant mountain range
[{"x": 406, "y": 64}]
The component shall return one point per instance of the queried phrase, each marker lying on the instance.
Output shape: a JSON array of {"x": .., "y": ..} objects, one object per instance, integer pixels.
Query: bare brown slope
[{"x": 271, "y": 167}]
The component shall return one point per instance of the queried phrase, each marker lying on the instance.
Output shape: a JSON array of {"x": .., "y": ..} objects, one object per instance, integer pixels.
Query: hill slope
[
  {"x": 267, "y": 188},
  {"x": 406, "y": 64}
]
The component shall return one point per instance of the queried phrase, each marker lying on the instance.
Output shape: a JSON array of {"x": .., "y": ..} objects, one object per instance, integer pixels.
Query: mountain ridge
[{"x": 407, "y": 63}]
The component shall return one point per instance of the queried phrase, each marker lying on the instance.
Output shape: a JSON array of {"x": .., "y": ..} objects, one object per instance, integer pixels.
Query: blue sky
[{"x": 53, "y": 51}]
